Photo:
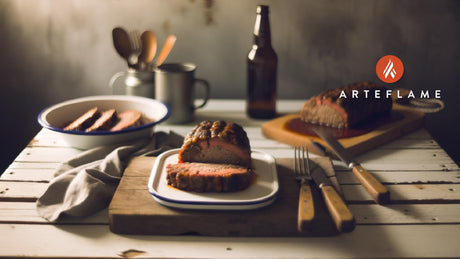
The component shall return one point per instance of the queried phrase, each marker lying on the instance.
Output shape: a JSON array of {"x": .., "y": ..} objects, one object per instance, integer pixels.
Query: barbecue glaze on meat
[
  {"x": 328, "y": 109},
  {"x": 217, "y": 142},
  {"x": 205, "y": 177}
]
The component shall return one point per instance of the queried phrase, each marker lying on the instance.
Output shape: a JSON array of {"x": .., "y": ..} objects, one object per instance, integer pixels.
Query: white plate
[{"x": 261, "y": 193}]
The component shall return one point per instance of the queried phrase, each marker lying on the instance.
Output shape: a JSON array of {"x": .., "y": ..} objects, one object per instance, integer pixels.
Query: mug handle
[
  {"x": 115, "y": 78},
  {"x": 207, "y": 89}
]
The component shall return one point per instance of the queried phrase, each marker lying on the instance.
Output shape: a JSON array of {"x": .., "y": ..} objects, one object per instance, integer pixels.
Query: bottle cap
[{"x": 262, "y": 9}]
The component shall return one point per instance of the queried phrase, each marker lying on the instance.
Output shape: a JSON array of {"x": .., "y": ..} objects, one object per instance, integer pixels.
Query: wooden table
[{"x": 425, "y": 222}]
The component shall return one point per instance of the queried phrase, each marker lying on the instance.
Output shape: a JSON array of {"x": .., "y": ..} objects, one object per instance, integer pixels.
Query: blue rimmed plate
[{"x": 261, "y": 193}]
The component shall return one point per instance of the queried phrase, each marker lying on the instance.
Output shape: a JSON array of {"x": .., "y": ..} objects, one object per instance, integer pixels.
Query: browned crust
[{"x": 207, "y": 131}]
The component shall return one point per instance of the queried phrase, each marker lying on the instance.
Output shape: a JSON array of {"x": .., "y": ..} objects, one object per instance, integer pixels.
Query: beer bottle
[{"x": 261, "y": 70}]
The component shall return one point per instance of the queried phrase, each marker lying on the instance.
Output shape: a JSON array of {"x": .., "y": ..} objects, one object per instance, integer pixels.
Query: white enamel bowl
[{"x": 55, "y": 117}]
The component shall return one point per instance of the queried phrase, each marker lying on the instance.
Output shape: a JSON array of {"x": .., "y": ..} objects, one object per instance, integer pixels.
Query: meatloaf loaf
[
  {"x": 329, "y": 108},
  {"x": 205, "y": 177},
  {"x": 217, "y": 142}
]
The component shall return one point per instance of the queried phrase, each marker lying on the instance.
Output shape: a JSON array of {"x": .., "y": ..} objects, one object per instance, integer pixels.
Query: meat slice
[
  {"x": 217, "y": 142},
  {"x": 327, "y": 108},
  {"x": 128, "y": 119},
  {"x": 206, "y": 177},
  {"x": 105, "y": 122},
  {"x": 84, "y": 121}
]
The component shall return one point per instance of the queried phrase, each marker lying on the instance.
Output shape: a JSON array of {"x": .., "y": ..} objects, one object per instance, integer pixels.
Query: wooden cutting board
[
  {"x": 410, "y": 120},
  {"x": 134, "y": 211}
]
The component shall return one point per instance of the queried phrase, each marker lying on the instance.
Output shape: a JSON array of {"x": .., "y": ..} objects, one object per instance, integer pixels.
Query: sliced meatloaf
[
  {"x": 128, "y": 119},
  {"x": 207, "y": 177},
  {"x": 219, "y": 142},
  {"x": 105, "y": 122},
  {"x": 84, "y": 121},
  {"x": 330, "y": 109}
]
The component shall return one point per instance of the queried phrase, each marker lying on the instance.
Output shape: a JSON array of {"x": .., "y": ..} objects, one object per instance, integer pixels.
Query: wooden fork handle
[
  {"x": 342, "y": 216},
  {"x": 306, "y": 208},
  {"x": 378, "y": 192}
]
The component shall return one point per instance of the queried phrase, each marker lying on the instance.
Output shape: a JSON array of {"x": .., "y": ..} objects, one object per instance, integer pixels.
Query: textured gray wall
[{"x": 53, "y": 50}]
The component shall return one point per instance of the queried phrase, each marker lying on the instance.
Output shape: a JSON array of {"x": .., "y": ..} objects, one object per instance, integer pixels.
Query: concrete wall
[{"x": 53, "y": 50}]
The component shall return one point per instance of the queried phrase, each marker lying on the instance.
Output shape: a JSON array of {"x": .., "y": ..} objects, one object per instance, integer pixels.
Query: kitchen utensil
[
  {"x": 136, "y": 48},
  {"x": 149, "y": 49},
  {"x": 302, "y": 172},
  {"x": 175, "y": 86},
  {"x": 167, "y": 47},
  {"x": 341, "y": 215},
  {"x": 121, "y": 42},
  {"x": 378, "y": 192}
]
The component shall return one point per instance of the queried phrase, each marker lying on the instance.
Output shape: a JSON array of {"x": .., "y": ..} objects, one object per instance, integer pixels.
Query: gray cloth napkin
[{"x": 86, "y": 183}]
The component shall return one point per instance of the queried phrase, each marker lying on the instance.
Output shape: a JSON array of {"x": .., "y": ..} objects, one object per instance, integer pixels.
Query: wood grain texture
[
  {"x": 134, "y": 211},
  {"x": 340, "y": 213},
  {"x": 412, "y": 120},
  {"x": 306, "y": 212},
  {"x": 378, "y": 192}
]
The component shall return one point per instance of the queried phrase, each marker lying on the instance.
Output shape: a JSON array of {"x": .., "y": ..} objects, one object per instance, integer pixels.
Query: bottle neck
[{"x": 262, "y": 34}]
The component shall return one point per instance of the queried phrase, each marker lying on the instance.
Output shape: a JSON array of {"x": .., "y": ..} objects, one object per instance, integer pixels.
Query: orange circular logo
[{"x": 389, "y": 69}]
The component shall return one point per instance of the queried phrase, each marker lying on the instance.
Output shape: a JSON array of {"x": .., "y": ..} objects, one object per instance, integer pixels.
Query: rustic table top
[{"x": 422, "y": 221}]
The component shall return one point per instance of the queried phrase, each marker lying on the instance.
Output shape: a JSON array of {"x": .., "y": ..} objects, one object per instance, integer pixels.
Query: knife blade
[
  {"x": 377, "y": 191},
  {"x": 341, "y": 215}
]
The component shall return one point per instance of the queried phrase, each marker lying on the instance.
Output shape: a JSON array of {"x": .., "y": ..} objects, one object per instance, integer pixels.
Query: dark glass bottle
[{"x": 262, "y": 67}]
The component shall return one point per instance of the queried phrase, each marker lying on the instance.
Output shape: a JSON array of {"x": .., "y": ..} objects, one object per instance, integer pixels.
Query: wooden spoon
[
  {"x": 167, "y": 47},
  {"x": 121, "y": 42},
  {"x": 149, "y": 49}
]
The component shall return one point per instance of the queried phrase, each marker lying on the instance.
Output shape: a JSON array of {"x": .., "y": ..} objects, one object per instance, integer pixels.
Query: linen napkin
[{"x": 86, "y": 183}]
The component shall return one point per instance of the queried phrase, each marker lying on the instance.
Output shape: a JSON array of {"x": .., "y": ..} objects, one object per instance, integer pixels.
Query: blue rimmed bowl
[{"x": 55, "y": 117}]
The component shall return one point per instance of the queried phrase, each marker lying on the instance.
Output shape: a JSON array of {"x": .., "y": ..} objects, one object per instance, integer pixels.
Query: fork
[
  {"x": 306, "y": 211},
  {"x": 136, "y": 48}
]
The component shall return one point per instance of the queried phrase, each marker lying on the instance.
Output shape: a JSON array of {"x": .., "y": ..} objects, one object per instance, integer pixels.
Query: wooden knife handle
[
  {"x": 342, "y": 216},
  {"x": 378, "y": 192},
  {"x": 306, "y": 208}
]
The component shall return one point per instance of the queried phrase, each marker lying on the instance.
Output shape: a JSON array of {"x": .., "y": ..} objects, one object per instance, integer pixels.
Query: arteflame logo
[{"x": 389, "y": 69}]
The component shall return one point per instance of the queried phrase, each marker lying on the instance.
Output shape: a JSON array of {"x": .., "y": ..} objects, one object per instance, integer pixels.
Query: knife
[
  {"x": 378, "y": 192},
  {"x": 341, "y": 215}
]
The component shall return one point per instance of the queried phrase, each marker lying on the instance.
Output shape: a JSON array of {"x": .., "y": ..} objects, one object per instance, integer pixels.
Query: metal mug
[
  {"x": 175, "y": 86},
  {"x": 137, "y": 83}
]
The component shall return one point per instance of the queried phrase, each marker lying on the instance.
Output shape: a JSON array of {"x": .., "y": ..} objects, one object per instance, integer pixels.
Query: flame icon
[{"x": 389, "y": 70}]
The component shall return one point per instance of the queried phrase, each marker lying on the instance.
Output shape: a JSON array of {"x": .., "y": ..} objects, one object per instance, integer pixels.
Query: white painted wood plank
[
  {"x": 28, "y": 174},
  {"x": 406, "y": 213},
  {"x": 26, "y": 212},
  {"x": 33, "y": 165},
  {"x": 239, "y": 105},
  {"x": 404, "y": 159},
  {"x": 408, "y": 193},
  {"x": 347, "y": 177},
  {"x": 47, "y": 154},
  {"x": 396, "y": 241},
  {"x": 402, "y": 193},
  {"x": 21, "y": 191}
]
